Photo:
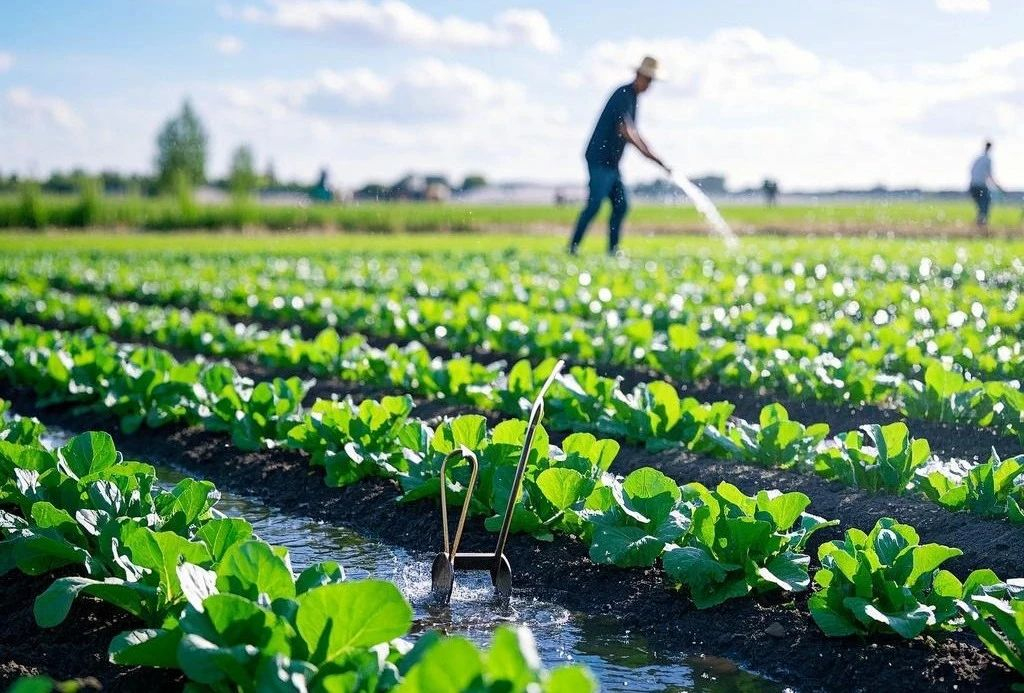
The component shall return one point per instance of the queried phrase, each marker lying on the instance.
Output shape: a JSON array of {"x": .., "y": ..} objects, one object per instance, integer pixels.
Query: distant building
[
  {"x": 711, "y": 184},
  {"x": 437, "y": 192},
  {"x": 421, "y": 187},
  {"x": 659, "y": 189},
  {"x": 372, "y": 192}
]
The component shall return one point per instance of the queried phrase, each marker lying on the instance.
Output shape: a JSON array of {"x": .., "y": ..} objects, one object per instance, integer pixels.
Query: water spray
[{"x": 707, "y": 208}]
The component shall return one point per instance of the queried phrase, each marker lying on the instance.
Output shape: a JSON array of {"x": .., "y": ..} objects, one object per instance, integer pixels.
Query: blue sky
[{"x": 814, "y": 93}]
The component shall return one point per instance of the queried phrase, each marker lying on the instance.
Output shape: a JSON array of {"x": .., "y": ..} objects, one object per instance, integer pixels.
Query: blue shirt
[{"x": 607, "y": 144}]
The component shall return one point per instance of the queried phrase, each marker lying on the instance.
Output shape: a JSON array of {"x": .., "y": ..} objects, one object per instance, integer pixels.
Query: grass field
[{"x": 45, "y": 211}]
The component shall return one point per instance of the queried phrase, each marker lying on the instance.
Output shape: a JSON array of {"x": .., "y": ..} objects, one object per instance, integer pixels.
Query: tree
[
  {"x": 242, "y": 179},
  {"x": 472, "y": 181},
  {"x": 270, "y": 176},
  {"x": 181, "y": 150}
]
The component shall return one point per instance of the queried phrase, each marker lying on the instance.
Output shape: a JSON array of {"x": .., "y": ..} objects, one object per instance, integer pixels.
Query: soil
[
  {"x": 77, "y": 649},
  {"x": 772, "y": 634}
]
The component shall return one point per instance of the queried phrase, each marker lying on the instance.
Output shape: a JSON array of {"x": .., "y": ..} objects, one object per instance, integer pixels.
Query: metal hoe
[{"x": 442, "y": 572}]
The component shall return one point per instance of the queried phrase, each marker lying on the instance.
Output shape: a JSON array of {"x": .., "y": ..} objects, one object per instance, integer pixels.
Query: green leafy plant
[
  {"x": 353, "y": 442},
  {"x": 776, "y": 442},
  {"x": 886, "y": 581},
  {"x": 737, "y": 544},
  {"x": 422, "y": 478},
  {"x": 988, "y": 489},
  {"x": 148, "y": 387},
  {"x": 655, "y": 415},
  {"x": 83, "y": 505},
  {"x": 511, "y": 664},
  {"x": 250, "y": 623},
  {"x": 631, "y": 522},
  {"x": 556, "y": 483},
  {"x": 44, "y": 684},
  {"x": 890, "y": 464},
  {"x": 559, "y": 491},
  {"x": 999, "y": 623},
  {"x": 19, "y": 430},
  {"x": 255, "y": 414},
  {"x": 65, "y": 500},
  {"x": 946, "y": 395},
  {"x": 682, "y": 358}
]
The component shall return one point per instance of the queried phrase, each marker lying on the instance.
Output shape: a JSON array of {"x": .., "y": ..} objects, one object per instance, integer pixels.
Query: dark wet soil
[
  {"x": 771, "y": 634},
  {"x": 77, "y": 649}
]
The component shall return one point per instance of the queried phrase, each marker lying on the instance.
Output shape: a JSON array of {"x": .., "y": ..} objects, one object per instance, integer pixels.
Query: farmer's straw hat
[{"x": 648, "y": 67}]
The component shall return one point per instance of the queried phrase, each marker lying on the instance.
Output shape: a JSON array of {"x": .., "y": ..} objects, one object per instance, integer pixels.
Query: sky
[{"x": 816, "y": 94}]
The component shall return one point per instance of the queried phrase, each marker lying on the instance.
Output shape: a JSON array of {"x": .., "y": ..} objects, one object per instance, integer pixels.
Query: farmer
[
  {"x": 615, "y": 127},
  {"x": 981, "y": 176}
]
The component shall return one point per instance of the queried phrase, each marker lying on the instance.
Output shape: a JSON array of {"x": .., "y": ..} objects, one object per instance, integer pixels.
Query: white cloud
[
  {"x": 728, "y": 60},
  {"x": 6, "y": 61},
  {"x": 736, "y": 101},
  {"x": 978, "y": 115},
  {"x": 752, "y": 105},
  {"x": 396, "y": 21},
  {"x": 428, "y": 115},
  {"x": 229, "y": 45},
  {"x": 425, "y": 91},
  {"x": 25, "y": 106},
  {"x": 980, "y": 95},
  {"x": 985, "y": 69},
  {"x": 960, "y": 6}
]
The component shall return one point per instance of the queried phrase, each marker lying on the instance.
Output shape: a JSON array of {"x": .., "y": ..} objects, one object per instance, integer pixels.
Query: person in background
[
  {"x": 981, "y": 177},
  {"x": 615, "y": 127},
  {"x": 770, "y": 188},
  {"x": 321, "y": 192}
]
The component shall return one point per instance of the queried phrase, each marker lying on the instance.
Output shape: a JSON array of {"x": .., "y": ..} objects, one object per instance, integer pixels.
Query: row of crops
[
  {"x": 214, "y": 601},
  {"x": 141, "y": 339},
  {"x": 719, "y": 544},
  {"x": 941, "y": 344},
  {"x": 651, "y": 414}
]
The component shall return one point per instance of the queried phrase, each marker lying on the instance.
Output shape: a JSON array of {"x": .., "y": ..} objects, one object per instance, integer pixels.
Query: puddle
[{"x": 622, "y": 660}]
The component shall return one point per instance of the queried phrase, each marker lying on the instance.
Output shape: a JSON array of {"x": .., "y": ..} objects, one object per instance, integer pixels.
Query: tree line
[{"x": 180, "y": 165}]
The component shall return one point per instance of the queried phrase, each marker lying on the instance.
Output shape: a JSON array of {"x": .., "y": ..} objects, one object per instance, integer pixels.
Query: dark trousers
[
  {"x": 605, "y": 182},
  {"x": 983, "y": 199}
]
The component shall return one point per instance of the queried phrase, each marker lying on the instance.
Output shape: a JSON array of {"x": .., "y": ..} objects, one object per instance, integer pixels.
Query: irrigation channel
[{"x": 621, "y": 659}]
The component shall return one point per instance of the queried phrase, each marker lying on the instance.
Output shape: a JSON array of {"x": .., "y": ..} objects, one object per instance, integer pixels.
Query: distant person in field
[
  {"x": 321, "y": 192},
  {"x": 981, "y": 177},
  {"x": 770, "y": 188},
  {"x": 615, "y": 127}
]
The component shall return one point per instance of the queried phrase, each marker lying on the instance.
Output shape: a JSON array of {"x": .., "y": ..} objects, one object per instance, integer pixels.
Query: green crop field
[
  {"x": 902, "y": 218},
  {"x": 806, "y": 443}
]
